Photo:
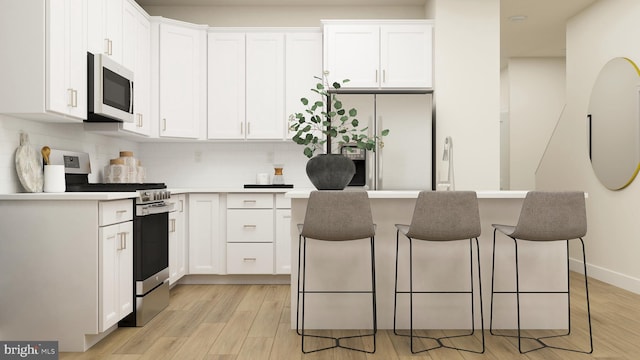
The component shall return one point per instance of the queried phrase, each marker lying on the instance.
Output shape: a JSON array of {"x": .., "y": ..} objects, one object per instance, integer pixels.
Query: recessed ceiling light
[{"x": 518, "y": 18}]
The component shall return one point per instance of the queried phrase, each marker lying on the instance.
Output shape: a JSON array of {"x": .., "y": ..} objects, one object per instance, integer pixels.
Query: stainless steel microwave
[{"x": 110, "y": 90}]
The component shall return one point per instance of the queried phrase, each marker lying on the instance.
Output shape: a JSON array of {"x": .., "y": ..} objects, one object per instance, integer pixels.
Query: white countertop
[
  {"x": 70, "y": 196},
  {"x": 412, "y": 194},
  {"x": 227, "y": 190}
]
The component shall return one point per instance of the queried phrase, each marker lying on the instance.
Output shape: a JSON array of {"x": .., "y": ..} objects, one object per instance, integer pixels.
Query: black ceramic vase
[{"x": 330, "y": 171}]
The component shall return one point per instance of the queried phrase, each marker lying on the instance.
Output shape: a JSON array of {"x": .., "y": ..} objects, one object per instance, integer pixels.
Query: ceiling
[{"x": 542, "y": 33}]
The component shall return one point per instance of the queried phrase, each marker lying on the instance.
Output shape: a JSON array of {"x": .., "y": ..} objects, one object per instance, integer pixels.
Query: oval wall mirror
[{"x": 614, "y": 123}]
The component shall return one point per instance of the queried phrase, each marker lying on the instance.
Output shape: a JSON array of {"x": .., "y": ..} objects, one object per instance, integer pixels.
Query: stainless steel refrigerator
[{"x": 404, "y": 159}]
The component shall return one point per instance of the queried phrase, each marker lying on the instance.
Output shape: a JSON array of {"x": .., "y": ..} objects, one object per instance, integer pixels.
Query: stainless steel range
[{"x": 150, "y": 234}]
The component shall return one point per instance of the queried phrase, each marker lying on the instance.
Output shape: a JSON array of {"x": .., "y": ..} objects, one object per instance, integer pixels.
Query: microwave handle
[{"x": 131, "y": 97}]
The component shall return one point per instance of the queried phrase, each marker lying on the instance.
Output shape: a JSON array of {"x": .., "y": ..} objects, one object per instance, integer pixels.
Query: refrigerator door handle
[{"x": 378, "y": 157}]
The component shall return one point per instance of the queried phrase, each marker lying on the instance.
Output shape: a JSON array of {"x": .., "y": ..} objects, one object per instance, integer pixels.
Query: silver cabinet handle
[
  {"x": 106, "y": 46},
  {"x": 250, "y": 201},
  {"x": 384, "y": 76},
  {"x": 248, "y": 128},
  {"x": 249, "y": 259},
  {"x": 110, "y": 49},
  {"x": 74, "y": 98},
  {"x": 123, "y": 240},
  {"x": 241, "y": 128},
  {"x": 70, "y": 93},
  {"x": 164, "y": 124},
  {"x": 118, "y": 212},
  {"x": 376, "y": 75},
  {"x": 172, "y": 228},
  {"x": 249, "y": 226}
]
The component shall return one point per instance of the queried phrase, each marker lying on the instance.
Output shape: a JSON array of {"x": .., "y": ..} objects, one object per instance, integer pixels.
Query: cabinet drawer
[
  {"x": 249, "y": 201},
  {"x": 249, "y": 258},
  {"x": 249, "y": 225},
  {"x": 113, "y": 212}
]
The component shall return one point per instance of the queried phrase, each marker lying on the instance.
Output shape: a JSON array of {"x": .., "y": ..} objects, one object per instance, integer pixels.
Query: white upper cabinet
[
  {"x": 226, "y": 85},
  {"x": 303, "y": 57},
  {"x": 182, "y": 79},
  {"x": 256, "y": 79},
  {"x": 106, "y": 28},
  {"x": 246, "y": 85},
  {"x": 43, "y": 66},
  {"x": 136, "y": 56},
  {"x": 352, "y": 52},
  {"x": 379, "y": 54},
  {"x": 265, "y": 86}
]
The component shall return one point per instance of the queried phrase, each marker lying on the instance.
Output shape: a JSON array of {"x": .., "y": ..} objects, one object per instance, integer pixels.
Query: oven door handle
[{"x": 144, "y": 210}]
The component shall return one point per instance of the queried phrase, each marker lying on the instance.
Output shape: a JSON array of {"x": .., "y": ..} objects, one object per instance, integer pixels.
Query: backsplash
[
  {"x": 178, "y": 164},
  {"x": 57, "y": 136},
  {"x": 214, "y": 164}
]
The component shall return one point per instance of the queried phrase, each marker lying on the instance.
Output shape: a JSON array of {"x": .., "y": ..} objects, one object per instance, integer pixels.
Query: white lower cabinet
[
  {"x": 237, "y": 234},
  {"x": 115, "y": 263},
  {"x": 177, "y": 240},
  {"x": 283, "y": 241},
  {"x": 250, "y": 231},
  {"x": 206, "y": 250}
]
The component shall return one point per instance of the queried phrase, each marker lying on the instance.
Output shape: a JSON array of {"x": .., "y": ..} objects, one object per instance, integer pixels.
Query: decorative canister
[
  {"x": 116, "y": 172},
  {"x": 141, "y": 173},
  {"x": 132, "y": 165}
]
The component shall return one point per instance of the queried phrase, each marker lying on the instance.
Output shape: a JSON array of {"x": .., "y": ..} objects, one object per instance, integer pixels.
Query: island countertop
[{"x": 413, "y": 194}]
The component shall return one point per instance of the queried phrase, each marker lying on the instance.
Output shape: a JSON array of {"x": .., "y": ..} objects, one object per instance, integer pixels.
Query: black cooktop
[
  {"x": 80, "y": 183},
  {"x": 110, "y": 187}
]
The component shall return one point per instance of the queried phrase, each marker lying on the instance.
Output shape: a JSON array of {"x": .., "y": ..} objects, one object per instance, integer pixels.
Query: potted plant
[{"x": 323, "y": 120}]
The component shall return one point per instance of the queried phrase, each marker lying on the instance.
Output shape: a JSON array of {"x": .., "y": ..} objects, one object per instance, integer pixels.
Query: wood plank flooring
[{"x": 238, "y": 322}]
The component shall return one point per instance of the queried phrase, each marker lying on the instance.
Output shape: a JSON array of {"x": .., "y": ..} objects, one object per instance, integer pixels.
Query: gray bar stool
[
  {"x": 335, "y": 216},
  {"x": 545, "y": 217},
  {"x": 442, "y": 216}
]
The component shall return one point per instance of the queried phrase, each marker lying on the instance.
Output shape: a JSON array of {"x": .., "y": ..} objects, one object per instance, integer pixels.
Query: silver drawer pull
[
  {"x": 249, "y": 259},
  {"x": 118, "y": 212},
  {"x": 250, "y": 201},
  {"x": 248, "y": 226}
]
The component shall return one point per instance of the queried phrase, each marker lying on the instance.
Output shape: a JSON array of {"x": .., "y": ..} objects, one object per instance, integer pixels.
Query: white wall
[
  {"x": 613, "y": 241},
  {"x": 536, "y": 99},
  {"x": 57, "y": 136},
  {"x": 467, "y": 83}
]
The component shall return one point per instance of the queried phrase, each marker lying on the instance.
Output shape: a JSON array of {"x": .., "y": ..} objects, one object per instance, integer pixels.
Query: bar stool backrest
[
  {"x": 445, "y": 216},
  {"x": 338, "y": 216},
  {"x": 548, "y": 216}
]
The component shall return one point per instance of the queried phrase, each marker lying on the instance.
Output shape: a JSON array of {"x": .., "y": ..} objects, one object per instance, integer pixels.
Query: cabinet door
[
  {"x": 125, "y": 270},
  {"x": 105, "y": 34},
  {"x": 67, "y": 58},
  {"x": 406, "y": 55},
  {"x": 136, "y": 56},
  {"x": 177, "y": 241},
  {"x": 181, "y": 60},
  {"x": 265, "y": 86},
  {"x": 283, "y": 241},
  {"x": 206, "y": 251},
  {"x": 303, "y": 56},
  {"x": 352, "y": 52},
  {"x": 115, "y": 298},
  {"x": 174, "y": 249},
  {"x": 226, "y": 86}
]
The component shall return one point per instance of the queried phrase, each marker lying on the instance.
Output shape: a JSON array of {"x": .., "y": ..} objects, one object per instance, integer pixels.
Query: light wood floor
[{"x": 233, "y": 322}]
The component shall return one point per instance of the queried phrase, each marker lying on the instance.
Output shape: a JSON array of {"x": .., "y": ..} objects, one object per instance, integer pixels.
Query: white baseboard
[
  {"x": 623, "y": 281},
  {"x": 235, "y": 279}
]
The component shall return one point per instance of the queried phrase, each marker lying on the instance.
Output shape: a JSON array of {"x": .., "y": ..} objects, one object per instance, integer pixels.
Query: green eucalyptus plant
[{"x": 315, "y": 125}]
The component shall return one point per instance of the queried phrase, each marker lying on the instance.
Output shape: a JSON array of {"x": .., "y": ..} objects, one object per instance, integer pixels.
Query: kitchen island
[{"x": 437, "y": 266}]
